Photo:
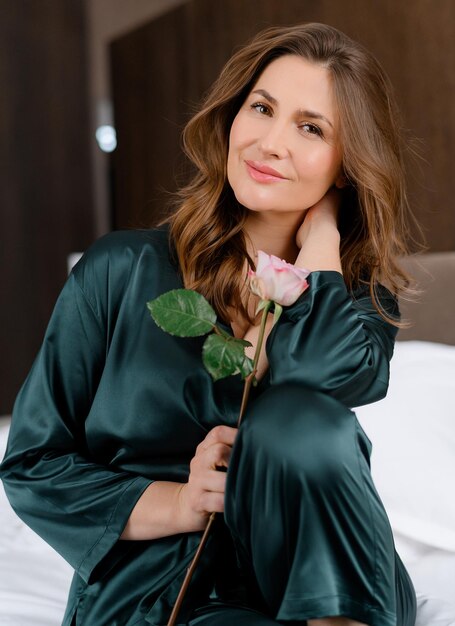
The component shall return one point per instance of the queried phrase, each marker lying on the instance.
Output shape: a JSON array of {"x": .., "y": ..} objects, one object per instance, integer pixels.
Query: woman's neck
[{"x": 274, "y": 233}]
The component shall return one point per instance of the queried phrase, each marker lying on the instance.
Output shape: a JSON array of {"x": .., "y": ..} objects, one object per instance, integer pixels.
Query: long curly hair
[{"x": 207, "y": 227}]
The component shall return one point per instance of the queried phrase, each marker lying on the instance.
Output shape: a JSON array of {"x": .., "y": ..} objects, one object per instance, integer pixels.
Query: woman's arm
[
  {"x": 79, "y": 505},
  {"x": 330, "y": 340},
  {"x": 76, "y": 504},
  {"x": 319, "y": 241},
  {"x": 334, "y": 341}
]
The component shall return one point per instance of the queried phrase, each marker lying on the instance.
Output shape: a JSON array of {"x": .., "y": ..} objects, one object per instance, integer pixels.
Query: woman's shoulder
[
  {"x": 115, "y": 259},
  {"x": 121, "y": 248},
  {"x": 130, "y": 243},
  {"x": 363, "y": 292}
]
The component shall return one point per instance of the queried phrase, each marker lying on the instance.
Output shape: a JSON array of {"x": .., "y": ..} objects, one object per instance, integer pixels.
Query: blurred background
[{"x": 93, "y": 98}]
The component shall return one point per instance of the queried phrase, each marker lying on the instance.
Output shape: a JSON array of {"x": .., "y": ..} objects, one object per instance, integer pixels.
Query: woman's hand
[
  {"x": 203, "y": 494},
  {"x": 318, "y": 237},
  {"x": 170, "y": 508},
  {"x": 323, "y": 214}
]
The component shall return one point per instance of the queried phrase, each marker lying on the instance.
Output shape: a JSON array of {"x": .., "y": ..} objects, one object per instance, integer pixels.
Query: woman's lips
[{"x": 262, "y": 173}]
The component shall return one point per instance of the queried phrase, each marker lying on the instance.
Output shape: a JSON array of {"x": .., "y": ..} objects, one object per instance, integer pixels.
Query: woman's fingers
[
  {"x": 207, "y": 478},
  {"x": 203, "y": 467},
  {"x": 321, "y": 215},
  {"x": 217, "y": 455},
  {"x": 219, "y": 434},
  {"x": 206, "y": 484},
  {"x": 205, "y": 490}
]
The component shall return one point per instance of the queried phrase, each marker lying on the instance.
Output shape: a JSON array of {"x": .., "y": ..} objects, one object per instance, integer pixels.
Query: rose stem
[
  {"x": 246, "y": 392},
  {"x": 190, "y": 571},
  {"x": 249, "y": 379}
]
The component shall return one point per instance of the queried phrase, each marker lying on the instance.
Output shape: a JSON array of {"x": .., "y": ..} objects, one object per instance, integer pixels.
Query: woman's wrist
[
  {"x": 320, "y": 249},
  {"x": 187, "y": 519},
  {"x": 318, "y": 228},
  {"x": 159, "y": 513}
]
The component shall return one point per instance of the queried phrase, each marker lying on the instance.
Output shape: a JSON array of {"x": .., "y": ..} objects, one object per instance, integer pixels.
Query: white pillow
[{"x": 413, "y": 435}]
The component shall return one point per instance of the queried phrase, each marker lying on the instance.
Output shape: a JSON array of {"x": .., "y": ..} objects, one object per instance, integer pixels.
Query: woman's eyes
[
  {"x": 260, "y": 107},
  {"x": 312, "y": 129},
  {"x": 307, "y": 127}
]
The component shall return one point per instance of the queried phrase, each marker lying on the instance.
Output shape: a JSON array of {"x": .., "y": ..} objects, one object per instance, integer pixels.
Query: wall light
[{"x": 106, "y": 138}]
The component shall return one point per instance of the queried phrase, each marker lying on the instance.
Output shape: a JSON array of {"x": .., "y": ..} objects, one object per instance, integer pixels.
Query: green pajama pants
[{"x": 309, "y": 527}]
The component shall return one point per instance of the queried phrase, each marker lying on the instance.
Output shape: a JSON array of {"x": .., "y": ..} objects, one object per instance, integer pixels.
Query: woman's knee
[{"x": 298, "y": 426}]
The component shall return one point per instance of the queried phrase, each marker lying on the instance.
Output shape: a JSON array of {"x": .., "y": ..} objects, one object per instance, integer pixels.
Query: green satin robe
[{"x": 113, "y": 402}]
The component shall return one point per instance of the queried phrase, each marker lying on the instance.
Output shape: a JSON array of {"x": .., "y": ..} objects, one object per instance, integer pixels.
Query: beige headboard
[{"x": 433, "y": 314}]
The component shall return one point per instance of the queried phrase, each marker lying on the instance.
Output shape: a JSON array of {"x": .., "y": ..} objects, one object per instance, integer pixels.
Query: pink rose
[{"x": 277, "y": 280}]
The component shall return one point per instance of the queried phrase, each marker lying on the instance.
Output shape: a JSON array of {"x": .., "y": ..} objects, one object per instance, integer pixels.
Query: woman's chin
[{"x": 292, "y": 218}]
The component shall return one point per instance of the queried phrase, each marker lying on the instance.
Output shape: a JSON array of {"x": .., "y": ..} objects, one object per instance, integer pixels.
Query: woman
[{"x": 118, "y": 434}]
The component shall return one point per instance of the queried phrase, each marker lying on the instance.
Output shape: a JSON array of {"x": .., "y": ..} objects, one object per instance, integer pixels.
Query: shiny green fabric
[{"x": 113, "y": 403}]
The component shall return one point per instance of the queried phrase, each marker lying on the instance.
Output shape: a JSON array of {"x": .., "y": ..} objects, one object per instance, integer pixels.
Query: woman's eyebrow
[
  {"x": 266, "y": 95},
  {"x": 315, "y": 116},
  {"x": 303, "y": 112}
]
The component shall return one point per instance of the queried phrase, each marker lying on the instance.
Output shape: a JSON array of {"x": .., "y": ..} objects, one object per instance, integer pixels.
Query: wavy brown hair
[{"x": 207, "y": 227}]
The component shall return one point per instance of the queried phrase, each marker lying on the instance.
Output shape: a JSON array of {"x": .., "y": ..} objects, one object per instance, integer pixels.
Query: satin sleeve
[
  {"x": 335, "y": 341},
  {"x": 75, "y": 504}
]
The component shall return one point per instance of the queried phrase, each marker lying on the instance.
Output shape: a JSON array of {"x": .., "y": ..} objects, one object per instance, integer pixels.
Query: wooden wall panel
[
  {"x": 151, "y": 82},
  {"x": 163, "y": 68},
  {"x": 45, "y": 189}
]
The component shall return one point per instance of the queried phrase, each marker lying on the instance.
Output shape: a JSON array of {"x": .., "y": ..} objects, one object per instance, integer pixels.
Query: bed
[{"x": 413, "y": 465}]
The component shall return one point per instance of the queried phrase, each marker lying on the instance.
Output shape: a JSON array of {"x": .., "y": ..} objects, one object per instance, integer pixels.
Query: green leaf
[
  {"x": 222, "y": 332},
  {"x": 244, "y": 342},
  {"x": 277, "y": 313},
  {"x": 225, "y": 357},
  {"x": 245, "y": 366},
  {"x": 229, "y": 337},
  {"x": 183, "y": 312}
]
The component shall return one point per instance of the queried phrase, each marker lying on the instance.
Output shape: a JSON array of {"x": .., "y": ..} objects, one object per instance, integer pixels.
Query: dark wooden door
[{"x": 46, "y": 207}]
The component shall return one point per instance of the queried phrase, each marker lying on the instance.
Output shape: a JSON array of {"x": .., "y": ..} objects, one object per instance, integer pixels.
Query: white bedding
[{"x": 413, "y": 465}]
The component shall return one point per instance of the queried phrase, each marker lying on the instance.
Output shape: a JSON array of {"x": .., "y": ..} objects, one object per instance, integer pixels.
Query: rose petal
[
  {"x": 263, "y": 261},
  {"x": 257, "y": 286},
  {"x": 277, "y": 280},
  {"x": 293, "y": 293}
]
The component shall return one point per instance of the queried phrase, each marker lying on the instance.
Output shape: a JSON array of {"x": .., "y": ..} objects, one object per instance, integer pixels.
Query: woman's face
[{"x": 283, "y": 149}]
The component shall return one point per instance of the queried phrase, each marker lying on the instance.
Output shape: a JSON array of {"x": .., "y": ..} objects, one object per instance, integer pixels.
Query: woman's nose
[{"x": 273, "y": 141}]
